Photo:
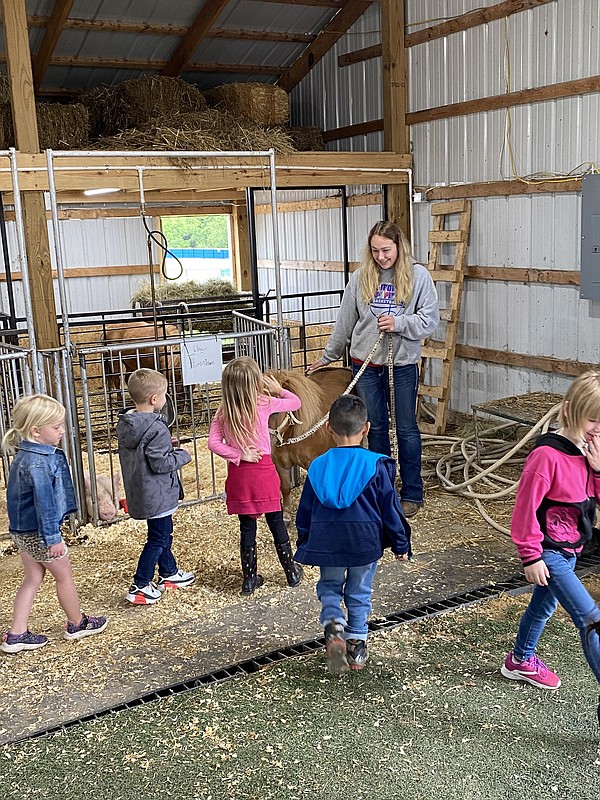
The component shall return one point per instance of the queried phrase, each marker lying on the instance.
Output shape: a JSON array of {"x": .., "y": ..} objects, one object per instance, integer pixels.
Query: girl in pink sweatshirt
[
  {"x": 240, "y": 434},
  {"x": 552, "y": 520}
]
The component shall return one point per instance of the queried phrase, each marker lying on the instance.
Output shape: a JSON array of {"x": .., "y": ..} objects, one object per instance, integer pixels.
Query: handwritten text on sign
[{"x": 201, "y": 360}]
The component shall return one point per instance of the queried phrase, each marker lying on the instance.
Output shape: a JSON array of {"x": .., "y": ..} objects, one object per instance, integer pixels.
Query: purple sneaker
[
  {"x": 15, "y": 642},
  {"x": 532, "y": 671},
  {"x": 87, "y": 627}
]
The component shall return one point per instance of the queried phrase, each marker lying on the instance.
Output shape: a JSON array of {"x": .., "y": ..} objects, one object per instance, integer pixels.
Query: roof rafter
[
  {"x": 54, "y": 28},
  {"x": 334, "y": 30},
  {"x": 207, "y": 16}
]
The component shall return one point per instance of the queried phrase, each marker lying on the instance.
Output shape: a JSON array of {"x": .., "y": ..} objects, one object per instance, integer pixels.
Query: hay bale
[
  {"x": 209, "y": 130},
  {"x": 307, "y": 138},
  {"x": 139, "y": 103},
  {"x": 182, "y": 290},
  {"x": 261, "y": 103},
  {"x": 60, "y": 126}
]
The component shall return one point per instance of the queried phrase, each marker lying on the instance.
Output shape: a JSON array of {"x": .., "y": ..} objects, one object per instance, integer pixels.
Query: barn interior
[{"x": 474, "y": 127}]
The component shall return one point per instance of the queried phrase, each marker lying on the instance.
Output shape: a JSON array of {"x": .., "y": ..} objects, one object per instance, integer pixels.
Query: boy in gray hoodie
[{"x": 149, "y": 464}]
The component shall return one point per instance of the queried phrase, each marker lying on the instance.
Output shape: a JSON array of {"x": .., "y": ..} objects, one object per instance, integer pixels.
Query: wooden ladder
[{"x": 452, "y": 274}]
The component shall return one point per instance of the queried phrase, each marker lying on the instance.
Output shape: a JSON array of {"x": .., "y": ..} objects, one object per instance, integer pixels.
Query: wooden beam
[
  {"x": 461, "y": 23},
  {"x": 209, "y": 13},
  {"x": 331, "y": 33},
  {"x": 357, "y": 56},
  {"x": 347, "y": 131},
  {"x": 395, "y": 100},
  {"x": 241, "y": 256},
  {"x": 54, "y": 28},
  {"x": 159, "y": 66},
  {"x": 504, "y": 188},
  {"x": 95, "y": 272},
  {"x": 508, "y": 358},
  {"x": 472, "y": 19},
  {"x": 556, "y": 277},
  {"x": 141, "y": 28},
  {"x": 37, "y": 245},
  {"x": 507, "y": 100}
]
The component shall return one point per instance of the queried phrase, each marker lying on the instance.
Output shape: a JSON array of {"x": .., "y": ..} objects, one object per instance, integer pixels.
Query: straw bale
[
  {"x": 208, "y": 130},
  {"x": 140, "y": 102},
  {"x": 60, "y": 126},
  {"x": 182, "y": 290},
  {"x": 307, "y": 138},
  {"x": 261, "y": 103}
]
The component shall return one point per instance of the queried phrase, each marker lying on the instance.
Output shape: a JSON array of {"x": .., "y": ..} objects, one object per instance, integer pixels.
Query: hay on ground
[
  {"x": 60, "y": 126},
  {"x": 139, "y": 102},
  {"x": 207, "y": 131},
  {"x": 261, "y": 103}
]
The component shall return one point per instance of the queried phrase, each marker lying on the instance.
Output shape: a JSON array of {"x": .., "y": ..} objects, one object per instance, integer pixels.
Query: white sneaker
[
  {"x": 145, "y": 596},
  {"x": 179, "y": 580}
]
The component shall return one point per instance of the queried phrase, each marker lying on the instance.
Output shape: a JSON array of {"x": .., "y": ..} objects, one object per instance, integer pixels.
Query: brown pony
[
  {"x": 160, "y": 358},
  {"x": 317, "y": 392}
]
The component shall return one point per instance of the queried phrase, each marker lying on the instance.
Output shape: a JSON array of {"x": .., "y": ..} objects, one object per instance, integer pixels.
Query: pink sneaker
[{"x": 532, "y": 671}]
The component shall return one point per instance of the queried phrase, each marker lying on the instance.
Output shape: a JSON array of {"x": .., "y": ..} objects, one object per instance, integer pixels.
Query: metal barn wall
[
  {"x": 557, "y": 42},
  {"x": 89, "y": 243}
]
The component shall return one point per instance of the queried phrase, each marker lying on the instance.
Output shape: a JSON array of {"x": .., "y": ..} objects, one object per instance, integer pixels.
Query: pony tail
[{"x": 10, "y": 441}]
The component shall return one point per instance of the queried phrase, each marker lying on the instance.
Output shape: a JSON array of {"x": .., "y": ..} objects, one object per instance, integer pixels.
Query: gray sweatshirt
[
  {"x": 149, "y": 464},
  {"x": 357, "y": 321}
]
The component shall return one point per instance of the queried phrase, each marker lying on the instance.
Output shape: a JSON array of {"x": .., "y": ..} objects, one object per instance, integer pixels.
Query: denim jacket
[{"x": 40, "y": 491}]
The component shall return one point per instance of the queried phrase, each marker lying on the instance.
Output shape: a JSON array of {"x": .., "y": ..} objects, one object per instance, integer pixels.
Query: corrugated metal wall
[
  {"x": 550, "y": 44},
  {"x": 90, "y": 243}
]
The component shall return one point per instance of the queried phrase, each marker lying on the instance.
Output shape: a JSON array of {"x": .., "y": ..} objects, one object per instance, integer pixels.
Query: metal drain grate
[{"x": 513, "y": 585}]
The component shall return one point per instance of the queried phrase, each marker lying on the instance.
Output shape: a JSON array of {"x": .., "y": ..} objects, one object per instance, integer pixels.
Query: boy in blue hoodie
[{"x": 349, "y": 512}]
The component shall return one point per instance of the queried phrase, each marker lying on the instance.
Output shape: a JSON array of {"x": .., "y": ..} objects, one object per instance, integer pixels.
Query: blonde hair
[
  {"x": 241, "y": 385},
  {"x": 33, "y": 411},
  {"x": 143, "y": 383},
  {"x": 403, "y": 268},
  {"x": 581, "y": 402}
]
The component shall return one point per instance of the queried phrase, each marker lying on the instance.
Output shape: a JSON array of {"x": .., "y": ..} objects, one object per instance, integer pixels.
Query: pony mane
[{"x": 310, "y": 395}]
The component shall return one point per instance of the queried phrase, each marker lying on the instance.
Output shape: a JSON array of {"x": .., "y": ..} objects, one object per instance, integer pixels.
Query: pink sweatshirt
[
  {"x": 556, "y": 500},
  {"x": 287, "y": 401}
]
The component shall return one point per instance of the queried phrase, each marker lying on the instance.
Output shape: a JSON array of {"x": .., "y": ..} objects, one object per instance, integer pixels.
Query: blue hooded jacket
[{"x": 349, "y": 510}]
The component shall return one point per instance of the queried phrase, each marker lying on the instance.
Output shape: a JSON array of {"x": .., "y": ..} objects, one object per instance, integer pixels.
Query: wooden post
[
  {"x": 240, "y": 240},
  {"x": 22, "y": 103},
  {"x": 395, "y": 98}
]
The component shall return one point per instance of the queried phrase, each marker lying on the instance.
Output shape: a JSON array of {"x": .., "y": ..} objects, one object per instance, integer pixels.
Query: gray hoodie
[
  {"x": 149, "y": 464},
  {"x": 357, "y": 321}
]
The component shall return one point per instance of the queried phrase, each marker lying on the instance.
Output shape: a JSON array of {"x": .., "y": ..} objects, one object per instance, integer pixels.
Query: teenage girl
[
  {"x": 240, "y": 434},
  {"x": 552, "y": 520},
  {"x": 39, "y": 495}
]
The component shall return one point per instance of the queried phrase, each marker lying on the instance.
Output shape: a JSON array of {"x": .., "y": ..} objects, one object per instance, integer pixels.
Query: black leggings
[{"x": 274, "y": 521}]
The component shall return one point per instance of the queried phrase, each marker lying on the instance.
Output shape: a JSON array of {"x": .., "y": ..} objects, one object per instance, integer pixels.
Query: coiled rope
[{"x": 483, "y": 457}]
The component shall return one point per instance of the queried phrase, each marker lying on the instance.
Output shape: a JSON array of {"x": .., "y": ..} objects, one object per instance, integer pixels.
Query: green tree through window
[{"x": 209, "y": 231}]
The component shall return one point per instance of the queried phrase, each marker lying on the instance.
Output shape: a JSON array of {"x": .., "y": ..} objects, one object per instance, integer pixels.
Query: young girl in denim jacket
[
  {"x": 240, "y": 434},
  {"x": 553, "y": 519},
  {"x": 39, "y": 496}
]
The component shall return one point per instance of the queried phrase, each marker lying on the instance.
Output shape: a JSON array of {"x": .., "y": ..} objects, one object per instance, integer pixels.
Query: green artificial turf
[{"x": 429, "y": 718}]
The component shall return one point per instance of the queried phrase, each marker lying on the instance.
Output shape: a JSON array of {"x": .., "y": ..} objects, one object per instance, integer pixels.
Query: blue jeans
[
  {"x": 354, "y": 586},
  {"x": 373, "y": 387},
  {"x": 157, "y": 550},
  {"x": 564, "y": 587}
]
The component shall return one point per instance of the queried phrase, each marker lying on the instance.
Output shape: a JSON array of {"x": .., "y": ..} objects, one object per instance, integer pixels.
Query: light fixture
[{"x": 108, "y": 190}]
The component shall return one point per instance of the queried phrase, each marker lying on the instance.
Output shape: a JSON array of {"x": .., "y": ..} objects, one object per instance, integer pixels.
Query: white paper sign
[{"x": 201, "y": 359}]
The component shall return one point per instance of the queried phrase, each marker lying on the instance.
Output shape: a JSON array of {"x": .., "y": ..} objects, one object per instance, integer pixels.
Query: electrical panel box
[{"x": 589, "y": 286}]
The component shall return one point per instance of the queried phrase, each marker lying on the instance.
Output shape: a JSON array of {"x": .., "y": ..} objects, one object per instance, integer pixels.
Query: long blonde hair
[
  {"x": 403, "y": 268},
  {"x": 33, "y": 411},
  {"x": 241, "y": 386},
  {"x": 581, "y": 402}
]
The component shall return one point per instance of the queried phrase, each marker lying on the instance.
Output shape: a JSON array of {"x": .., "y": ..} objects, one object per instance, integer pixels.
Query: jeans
[
  {"x": 157, "y": 550},
  {"x": 374, "y": 389},
  {"x": 564, "y": 587},
  {"x": 353, "y": 585}
]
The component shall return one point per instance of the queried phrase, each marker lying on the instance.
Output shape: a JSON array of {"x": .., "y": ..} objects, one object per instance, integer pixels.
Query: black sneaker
[
  {"x": 15, "y": 642},
  {"x": 357, "y": 653},
  {"x": 335, "y": 645}
]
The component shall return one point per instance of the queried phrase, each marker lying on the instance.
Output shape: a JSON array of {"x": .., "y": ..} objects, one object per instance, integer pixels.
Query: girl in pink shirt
[{"x": 240, "y": 434}]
